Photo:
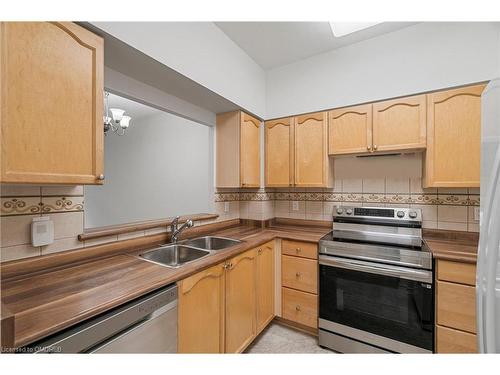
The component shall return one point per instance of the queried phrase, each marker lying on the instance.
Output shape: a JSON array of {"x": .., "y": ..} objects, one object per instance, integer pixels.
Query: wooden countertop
[
  {"x": 48, "y": 302},
  {"x": 457, "y": 246}
]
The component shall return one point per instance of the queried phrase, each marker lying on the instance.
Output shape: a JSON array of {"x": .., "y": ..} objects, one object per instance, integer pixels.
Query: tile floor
[{"x": 280, "y": 339}]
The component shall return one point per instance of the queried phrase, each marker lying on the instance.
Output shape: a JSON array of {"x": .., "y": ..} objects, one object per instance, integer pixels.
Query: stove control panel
[{"x": 403, "y": 214}]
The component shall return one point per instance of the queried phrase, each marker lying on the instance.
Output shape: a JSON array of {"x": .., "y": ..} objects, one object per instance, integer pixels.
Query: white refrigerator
[{"x": 488, "y": 263}]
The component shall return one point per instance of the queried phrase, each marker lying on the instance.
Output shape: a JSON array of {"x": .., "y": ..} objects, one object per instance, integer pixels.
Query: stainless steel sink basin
[
  {"x": 174, "y": 255},
  {"x": 211, "y": 243}
]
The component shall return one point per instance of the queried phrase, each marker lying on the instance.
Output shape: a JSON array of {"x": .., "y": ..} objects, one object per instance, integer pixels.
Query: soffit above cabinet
[{"x": 135, "y": 64}]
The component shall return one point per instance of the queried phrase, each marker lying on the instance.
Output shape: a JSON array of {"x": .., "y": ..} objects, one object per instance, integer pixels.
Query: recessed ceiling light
[{"x": 343, "y": 28}]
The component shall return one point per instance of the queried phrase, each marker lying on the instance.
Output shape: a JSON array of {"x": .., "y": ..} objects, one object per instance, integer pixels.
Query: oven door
[{"x": 383, "y": 305}]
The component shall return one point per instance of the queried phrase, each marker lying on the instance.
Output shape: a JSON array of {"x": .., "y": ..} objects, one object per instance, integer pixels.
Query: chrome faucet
[{"x": 175, "y": 230}]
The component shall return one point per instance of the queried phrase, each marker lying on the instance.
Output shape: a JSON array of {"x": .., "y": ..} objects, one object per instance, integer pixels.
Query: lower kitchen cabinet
[
  {"x": 265, "y": 285},
  {"x": 455, "y": 307},
  {"x": 223, "y": 308},
  {"x": 201, "y": 312},
  {"x": 240, "y": 301},
  {"x": 299, "y": 280},
  {"x": 450, "y": 340},
  {"x": 300, "y": 307}
]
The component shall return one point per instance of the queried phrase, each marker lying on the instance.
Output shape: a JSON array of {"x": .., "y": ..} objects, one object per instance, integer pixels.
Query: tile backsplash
[{"x": 450, "y": 209}]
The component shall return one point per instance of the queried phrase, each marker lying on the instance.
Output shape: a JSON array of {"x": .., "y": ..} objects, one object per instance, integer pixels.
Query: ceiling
[
  {"x": 272, "y": 44},
  {"x": 133, "y": 109}
]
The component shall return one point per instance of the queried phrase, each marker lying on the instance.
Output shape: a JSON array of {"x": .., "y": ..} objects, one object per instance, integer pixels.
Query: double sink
[{"x": 178, "y": 254}]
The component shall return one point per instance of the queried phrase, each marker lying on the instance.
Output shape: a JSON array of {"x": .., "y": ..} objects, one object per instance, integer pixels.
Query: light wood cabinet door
[
  {"x": 350, "y": 130},
  {"x": 279, "y": 152},
  {"x": 241, "y": 301},
  {"x": 265, "y": 285},
  {"x": 300, "y": 307},
  {"x": 299, "y": 273},
  {"x": 201, "y": 312},
  {"x": 453, "y": 341},
  {"x": 299, "y": 249},
  {"x": 399, "y": 124},
  {"x": 456, "y": 306},
  {"x": 249, "y": 151},
  {"x": 453, "y": 138},
  {"x": 311, "y": 158},
  {"x": 52, "y": 103}
]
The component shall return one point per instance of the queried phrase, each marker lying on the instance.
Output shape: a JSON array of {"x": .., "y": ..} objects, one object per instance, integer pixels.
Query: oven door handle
[{"x": 378, "y": 269}]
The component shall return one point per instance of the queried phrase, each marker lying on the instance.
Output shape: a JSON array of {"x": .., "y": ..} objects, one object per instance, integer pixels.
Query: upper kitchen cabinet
[
  {"x": 453, "y": 138},
  {"x": 350, "y": 130},
  {"x": 399, "y": 124},
  {"x": 279, "y": 152},
  {"x": 52, "y": 103},
  {"x": 391, "y": 125},
  {"x": 312, "y": 166},
  {"x": 238, "y": 150}
]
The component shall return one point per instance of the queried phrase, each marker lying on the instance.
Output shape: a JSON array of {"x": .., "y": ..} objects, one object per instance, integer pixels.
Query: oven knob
[
  {"x": 340, "y": 211},
  {"x": 413, "y": 214},
  {"x": 401, "y": 214},
  {"x": 348, "y": 211}
]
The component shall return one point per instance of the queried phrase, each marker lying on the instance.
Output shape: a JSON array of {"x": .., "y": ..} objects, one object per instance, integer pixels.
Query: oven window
[{"x": 386, "y": 306}]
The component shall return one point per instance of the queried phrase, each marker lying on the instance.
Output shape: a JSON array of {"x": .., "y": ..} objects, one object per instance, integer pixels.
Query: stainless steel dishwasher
[{"x": 145, "y": 325}]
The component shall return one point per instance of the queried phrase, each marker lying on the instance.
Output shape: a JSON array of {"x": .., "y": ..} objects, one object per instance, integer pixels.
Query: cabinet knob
[
  {"x": 100, "y": 177},
  {"x": 368, "y": 148},
  {"x": 259, "y": 251},
  {"x": 298, "y": 250},
  {"x": 297, "y": 308},
  {"x": 297, "y": 274},
  {"x": 374, "y": 147}
]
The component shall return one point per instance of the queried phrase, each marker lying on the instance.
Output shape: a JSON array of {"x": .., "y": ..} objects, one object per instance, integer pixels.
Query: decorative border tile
[
  {"x": 379, "y": 198},
  {"x": 62, "y": 204},
  {"x": 20, "y": 206}
]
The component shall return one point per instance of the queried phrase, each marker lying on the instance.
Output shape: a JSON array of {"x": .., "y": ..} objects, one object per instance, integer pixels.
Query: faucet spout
[{"x": 176, "y": 230}]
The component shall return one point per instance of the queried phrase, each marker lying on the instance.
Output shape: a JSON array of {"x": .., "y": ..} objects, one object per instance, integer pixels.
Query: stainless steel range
[{"x": 376, "y": 291}]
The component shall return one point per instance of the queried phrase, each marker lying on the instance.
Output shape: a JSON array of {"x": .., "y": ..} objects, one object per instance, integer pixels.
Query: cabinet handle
[
  {"x": 297, "y": 274},
  {"x": 259, "y": 251},
  {"x": 297, "y": 308},
  {"x": 298, "y": 250},
  {"x": 100, "y": 177},
  {"x": 374, "y": 147}
]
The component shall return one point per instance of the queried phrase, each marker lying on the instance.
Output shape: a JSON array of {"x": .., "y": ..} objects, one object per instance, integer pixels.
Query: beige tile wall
[
  {"x": 451, "y": 209},
  {"x": 65, "y": 207},
  {"x": 21, "y": 203}
]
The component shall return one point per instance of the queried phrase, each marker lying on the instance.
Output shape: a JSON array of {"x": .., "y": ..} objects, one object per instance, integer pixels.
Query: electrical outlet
[
  {"x": 477, "y": 213},
  {"x": 295, "y": 205},
  {"x": 226, "y": 206}
]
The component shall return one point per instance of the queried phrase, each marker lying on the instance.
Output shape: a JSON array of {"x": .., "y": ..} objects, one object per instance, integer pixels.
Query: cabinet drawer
[
  {"x": 456, "y": 272},
  {"x": 456, "y": 306},
  {"x": 300, "y": 307},
  {"x": 452, "y": 341},
  {"x": 300, "y": 249},
  {"x": 299, "y": 273}
]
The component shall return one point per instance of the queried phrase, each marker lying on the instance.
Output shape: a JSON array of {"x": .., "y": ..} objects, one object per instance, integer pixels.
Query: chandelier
[{"x": 114, "y": 118}]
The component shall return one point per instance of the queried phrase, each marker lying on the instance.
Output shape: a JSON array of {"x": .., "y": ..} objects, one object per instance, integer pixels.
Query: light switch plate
[
  {"x": 477, "y": 213},
  {"x": 42, "y": 231},
  {"x": 226, "y": 206},
  {"x": 295, "y": 205}
]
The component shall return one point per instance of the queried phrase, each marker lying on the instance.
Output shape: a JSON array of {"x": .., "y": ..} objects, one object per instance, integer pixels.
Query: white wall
[
  {"x": 419, "y": 58},
  {"x": 162, "y": 167},
  {"x": 200, "y": 51}
]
